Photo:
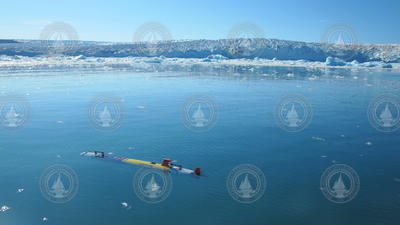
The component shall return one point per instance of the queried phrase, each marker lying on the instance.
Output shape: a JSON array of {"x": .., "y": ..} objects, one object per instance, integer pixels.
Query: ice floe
[
  {"x": 125, "y": 205},
  {"x": 4, "y": 208},
  {"x": 145, "y": 64}
]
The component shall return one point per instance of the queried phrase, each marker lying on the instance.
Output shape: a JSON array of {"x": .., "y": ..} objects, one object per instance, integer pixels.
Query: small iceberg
[
  {"x": 333, "y": 61},
  {"x": 214, "y": 58},
  {"x": 4, "y": 208},
  {"x": 125, "y": 205},
  {"x": 80, "y": 57}
]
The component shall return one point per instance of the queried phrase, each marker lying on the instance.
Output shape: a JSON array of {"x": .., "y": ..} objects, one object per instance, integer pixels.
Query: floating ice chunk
[
  {"x": 331, "y": 61},
  {"x": 368, "y": 143},
  {"x": 88, "y": 153},
  {"x": 80, "y": 57},
  {"x": 313, "y": 77},
  {"x": 214, "y": 58},
  {"x": 45, "y": 219},
  {"x": 318, "y": 138},
  {"x": 154, "y": 60},
  {"x": 125, "y": 205},
  {"x": 4, "y": 208},
  {"x": 20, "y": 190},
  {"x": 377, "y": 64},
  {"x": 100, "y": 60}
]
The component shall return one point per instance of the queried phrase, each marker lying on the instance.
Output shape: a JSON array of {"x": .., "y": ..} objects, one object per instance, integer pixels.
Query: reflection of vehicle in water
[{"x": 167, "y": 165}]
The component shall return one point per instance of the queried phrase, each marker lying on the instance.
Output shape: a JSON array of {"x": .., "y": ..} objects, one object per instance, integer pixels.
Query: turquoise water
[{"x": 245, "y": 132}]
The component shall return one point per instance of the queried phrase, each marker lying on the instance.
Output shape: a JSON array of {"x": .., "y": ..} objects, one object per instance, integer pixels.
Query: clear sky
[{"x": 116, "y": 20}]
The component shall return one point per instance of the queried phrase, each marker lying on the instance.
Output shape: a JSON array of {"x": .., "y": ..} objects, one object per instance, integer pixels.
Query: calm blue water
[{"x": 246, "y": 131}]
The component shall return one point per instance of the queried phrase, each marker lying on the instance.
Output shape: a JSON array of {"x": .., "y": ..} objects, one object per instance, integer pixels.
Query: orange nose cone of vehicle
[
  {"x": 197, "y": 171},
  {"x": 166, "y": 162}
]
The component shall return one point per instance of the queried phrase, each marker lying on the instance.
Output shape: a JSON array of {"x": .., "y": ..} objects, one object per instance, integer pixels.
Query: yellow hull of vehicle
[{"x": 145, "y": 163}]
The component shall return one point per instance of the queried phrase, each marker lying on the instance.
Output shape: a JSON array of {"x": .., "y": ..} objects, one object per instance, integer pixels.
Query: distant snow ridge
[{"x": 219, "y": 50}]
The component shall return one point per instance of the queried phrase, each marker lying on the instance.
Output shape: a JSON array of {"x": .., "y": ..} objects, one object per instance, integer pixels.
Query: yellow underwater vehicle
[{"x": 166, "y": 165}]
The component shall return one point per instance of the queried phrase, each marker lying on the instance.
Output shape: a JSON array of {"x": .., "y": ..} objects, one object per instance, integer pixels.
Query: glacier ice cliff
[{"x": 224, "y": 48}]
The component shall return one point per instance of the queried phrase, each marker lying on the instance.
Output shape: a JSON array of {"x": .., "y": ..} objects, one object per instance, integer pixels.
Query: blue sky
[{"x": 117, "y": 20}]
